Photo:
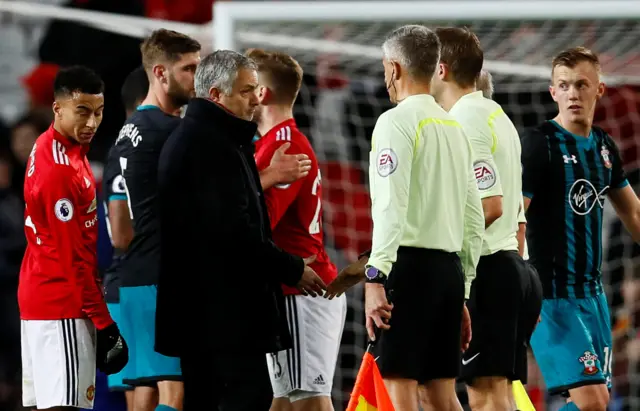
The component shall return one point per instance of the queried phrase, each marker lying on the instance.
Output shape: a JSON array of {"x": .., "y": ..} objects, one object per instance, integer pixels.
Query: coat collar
[{"x": 207, "y": 112}]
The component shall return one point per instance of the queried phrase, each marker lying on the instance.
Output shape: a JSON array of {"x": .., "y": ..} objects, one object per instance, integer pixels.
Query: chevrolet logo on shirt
[{"x": 93, "y": 206}]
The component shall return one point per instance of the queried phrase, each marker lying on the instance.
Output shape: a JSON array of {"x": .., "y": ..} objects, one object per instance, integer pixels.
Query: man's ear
[
  {"x": 264, "y": 95},
  {"x": 57, "y": 109},
  {"x": 601, "y": 89},
  {"x": 160, "y": 73},
  {"x": 442, "y": 70},
  {"x": 215, "y": 94},
  {"x": 552, "y": 91}
]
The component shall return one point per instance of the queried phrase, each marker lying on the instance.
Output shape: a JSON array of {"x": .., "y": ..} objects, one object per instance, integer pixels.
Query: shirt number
[
  {"x": 314, "y": 227},
  {"x": 123, "y": 167}
]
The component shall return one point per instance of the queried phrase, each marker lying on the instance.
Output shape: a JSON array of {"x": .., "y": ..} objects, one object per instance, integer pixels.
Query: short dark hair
[
  {"x": 574, "y": 56},
  {"x": 283, "y": 73},
  {"x": 134, "y": 88},
  {"x": 77, "y": 79},
  {"x": 460, "y": 50},
  {"x": 166, "y": 46}
]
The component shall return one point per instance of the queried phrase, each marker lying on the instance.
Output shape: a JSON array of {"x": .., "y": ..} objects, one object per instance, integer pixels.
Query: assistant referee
[{"x": 426, "y": 209}]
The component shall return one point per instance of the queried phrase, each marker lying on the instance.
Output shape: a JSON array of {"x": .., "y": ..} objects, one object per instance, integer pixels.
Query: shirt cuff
[
  {"x": 623, "y": 184},
  {"x": 384, "y": 267}
]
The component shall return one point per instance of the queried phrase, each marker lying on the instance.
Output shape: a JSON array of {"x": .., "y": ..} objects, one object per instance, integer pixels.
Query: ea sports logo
[
  {"x": 387, "y": 162},
  {"x": 485, "y": 175}
]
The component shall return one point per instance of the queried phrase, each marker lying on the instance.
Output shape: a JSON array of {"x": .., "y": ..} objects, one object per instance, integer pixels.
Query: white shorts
[
  {"x": 316, "y": 326},
  {"x": 58, "y": 363}
]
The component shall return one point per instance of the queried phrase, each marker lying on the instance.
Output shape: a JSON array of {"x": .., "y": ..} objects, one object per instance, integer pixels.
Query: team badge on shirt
[
  {"x": 485, "y": 175},
  {"x": 93, "y": 206},
  {"x": 605, "y": 156},
  {"x": 387, "y": 162},
  {"x": 64, "y": 210},
  {"x": 589, "y": 361}
]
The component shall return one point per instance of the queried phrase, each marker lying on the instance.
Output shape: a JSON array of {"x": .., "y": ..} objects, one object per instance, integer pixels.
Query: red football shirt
[
  {"x": 295, "y": 210},
  {"x": 58, "y": 277}
]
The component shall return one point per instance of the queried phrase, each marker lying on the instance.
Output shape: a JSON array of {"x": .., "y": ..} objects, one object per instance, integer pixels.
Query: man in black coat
[{"x": 220, "y": 307}]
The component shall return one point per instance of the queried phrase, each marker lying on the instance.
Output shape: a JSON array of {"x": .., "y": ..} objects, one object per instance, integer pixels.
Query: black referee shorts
[
  {"x": 505, "y": 302},
  {"x": 427, "y": 291}
]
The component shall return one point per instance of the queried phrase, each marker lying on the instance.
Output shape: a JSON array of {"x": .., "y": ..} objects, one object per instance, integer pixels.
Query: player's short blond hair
[
  {"x": 574, "y": 56},
  {"x": 485, "y": 84},
  {"x": 279, "y": 72},
  {"x": 166, "y": 46}
]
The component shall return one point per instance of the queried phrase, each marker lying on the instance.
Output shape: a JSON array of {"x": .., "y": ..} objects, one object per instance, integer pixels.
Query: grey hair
[
  {"x": 220, "y": 70},
  {"x": 416, "y": 48},
  {"x": 485, "y": 83}
]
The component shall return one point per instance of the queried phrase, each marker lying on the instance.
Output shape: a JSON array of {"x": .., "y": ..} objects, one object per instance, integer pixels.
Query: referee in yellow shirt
[
  {"x": 506, "y": 295},
  {"x": 426, "y": 209}
]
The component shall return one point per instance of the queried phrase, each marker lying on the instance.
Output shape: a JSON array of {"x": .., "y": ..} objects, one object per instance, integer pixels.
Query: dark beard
[{"x": 178, "y": 96}]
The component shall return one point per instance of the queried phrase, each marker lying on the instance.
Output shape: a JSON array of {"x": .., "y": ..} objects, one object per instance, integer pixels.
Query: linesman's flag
[
  {"x": 369, "y": 393},
  {"x": 522, "y": 399}
]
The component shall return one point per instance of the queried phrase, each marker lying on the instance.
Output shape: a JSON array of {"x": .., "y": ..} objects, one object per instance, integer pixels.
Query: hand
[
  {"x": 310, "y": 284},
  {"x": 376, "y": 308},
  {"x": 465, "y": 335},
  {"x": 347, "y": 278},
  {"x": 112, "y": 353},
  {"x": 289, "y": 167}
]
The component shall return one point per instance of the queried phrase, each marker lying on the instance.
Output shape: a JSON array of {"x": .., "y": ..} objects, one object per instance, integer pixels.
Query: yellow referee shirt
[
  {"x": 498, "y": 170},
  {"x": 423, "y": 189}
]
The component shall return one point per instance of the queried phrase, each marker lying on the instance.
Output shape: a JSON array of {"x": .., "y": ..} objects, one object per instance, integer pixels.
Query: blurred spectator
[
  {"x": 12, "y": 243},
  {"x": 187, "y": 11},
  {"x": 39, "y": 86},
  {"x": 23, "y": 134}
]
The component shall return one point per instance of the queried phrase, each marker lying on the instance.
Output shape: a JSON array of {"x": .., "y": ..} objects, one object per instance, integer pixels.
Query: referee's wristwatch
[{"x": 374, "y": 275}]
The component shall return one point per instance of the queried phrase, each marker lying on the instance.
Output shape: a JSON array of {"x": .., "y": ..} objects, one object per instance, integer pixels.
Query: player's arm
[
  {"x": 522, "y": 229},
  {"x": 535, "y": 160},
  {"x": 485, "y": 169},
  {"x": 119, "y": 214},
  {"x": 624, "y": 199},
  {"x": 60, "y": 191},
  {"x": 279, "y": 196},
  {"x": 234, "y": 235},
  {"x": 282, "y": 166},
  {"x": 474, "y": 223},
  {"x": 389, "y": 180}
]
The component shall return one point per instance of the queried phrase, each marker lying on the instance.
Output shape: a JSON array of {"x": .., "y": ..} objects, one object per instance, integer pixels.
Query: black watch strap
[{"x": 379, "y": 279}]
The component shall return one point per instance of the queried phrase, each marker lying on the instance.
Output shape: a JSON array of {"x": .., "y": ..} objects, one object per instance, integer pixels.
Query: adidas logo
[{"x": 319, "y": 380}]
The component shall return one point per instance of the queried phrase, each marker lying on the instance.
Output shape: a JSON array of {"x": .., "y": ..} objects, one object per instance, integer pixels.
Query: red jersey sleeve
[
  {"x": 279, "y": 197},
  {"x": 59, "y": 196}
]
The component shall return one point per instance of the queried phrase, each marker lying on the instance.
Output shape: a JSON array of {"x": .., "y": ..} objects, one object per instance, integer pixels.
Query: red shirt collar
[
  {"x": 67, "y": 142},
  {"x": 289, "y": 122}
]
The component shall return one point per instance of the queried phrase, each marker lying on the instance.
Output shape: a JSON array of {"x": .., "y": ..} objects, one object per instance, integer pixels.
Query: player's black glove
[{"x": 112, "y": 353}]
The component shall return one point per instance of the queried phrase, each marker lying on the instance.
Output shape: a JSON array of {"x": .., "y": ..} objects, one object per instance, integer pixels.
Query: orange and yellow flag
[{"x": 369, "y": 393}]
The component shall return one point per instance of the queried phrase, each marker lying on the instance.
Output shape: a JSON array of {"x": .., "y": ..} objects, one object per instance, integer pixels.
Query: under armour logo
[{"x": 567, "y": 159}]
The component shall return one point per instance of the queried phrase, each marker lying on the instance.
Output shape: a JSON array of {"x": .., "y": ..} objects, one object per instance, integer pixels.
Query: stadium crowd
[{"x": 14, "y": 163}]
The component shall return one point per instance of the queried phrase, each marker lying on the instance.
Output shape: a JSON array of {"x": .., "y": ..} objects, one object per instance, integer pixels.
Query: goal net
[{"x": 338, "y": 45}]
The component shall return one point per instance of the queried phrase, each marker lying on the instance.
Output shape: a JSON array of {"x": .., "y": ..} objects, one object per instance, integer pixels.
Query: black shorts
[
  {"x": 426, "y": 288},
  {"x": 505, "y": 302}
]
